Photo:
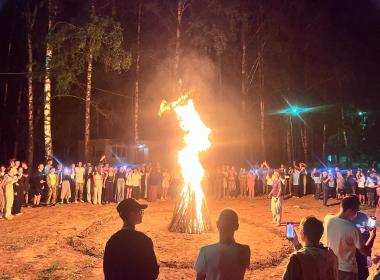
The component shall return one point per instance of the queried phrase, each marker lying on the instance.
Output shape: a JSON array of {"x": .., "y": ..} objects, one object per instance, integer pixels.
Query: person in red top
[{"x": 277, "y": 198}]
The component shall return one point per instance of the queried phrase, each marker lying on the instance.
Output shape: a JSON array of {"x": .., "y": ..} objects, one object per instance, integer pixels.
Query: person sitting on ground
[
  {"x": 129, "y": 254},
  {"x": 311, "y": 261},
  {"x": 343, "y": 237},
  {"x": 226, "y": 259}
]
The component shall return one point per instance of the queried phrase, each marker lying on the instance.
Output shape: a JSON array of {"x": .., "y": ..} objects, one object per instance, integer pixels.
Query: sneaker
[
  {"x": 81, "y": 200},
  {"x": 19, "y": 214}
]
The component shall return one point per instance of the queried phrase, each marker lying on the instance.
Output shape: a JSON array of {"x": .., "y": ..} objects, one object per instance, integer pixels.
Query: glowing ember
[{"x": 190, "y": 214}]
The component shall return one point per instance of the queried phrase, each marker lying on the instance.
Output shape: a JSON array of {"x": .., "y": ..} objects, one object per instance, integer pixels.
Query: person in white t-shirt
[
  {"x": 136, "y": 183},
  {"x": 226, "y": 259},
  {"x": 344, "y": 238},
  {"x": 79, "y": 182}
]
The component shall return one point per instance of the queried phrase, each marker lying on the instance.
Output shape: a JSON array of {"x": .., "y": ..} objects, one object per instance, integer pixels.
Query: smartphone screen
[
  {"x": 289, "y": 231},
  {"x": 371, "y": 222}
]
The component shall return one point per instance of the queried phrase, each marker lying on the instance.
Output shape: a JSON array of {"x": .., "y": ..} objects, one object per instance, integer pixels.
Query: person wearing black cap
[{"x": 129, "y": 254}]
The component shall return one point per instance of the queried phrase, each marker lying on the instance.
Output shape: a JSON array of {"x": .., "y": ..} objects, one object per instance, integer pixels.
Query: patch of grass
[{"x": 47, "y": 273}]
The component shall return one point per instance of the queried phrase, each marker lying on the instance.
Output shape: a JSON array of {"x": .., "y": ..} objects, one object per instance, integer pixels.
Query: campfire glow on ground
[{"x": 191, "y": 213}]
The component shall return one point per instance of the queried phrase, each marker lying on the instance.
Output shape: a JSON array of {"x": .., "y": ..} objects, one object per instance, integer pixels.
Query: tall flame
[{"x": 191, "y": 214}]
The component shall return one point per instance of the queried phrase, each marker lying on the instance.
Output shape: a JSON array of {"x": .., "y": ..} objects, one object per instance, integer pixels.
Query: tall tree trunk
[
  {"x": 180, "y": 10},
  {"x": 3, "y": 144},
  {"x": 219, "y": 74},
  {"x": 289, "y": 143},
  {"x": 345, "y": 140},
  {"x": 5, "y": 97},
  {"x": 344, "y": 131},
  {"x": 245, "y": 149},
  {"x": 87, "y": 119},
  {"x": 18, "y": 112},
  {"x": 30, "y": 17},
  {"x": 261, "y": 85},
  {"x": 262, "y": 127},
  {"x": 262, "y": 105},
  {"x": 324, "y": 144},
  {"x": 30, "y": 101},
  {"x": 136, "y": 97},
  {"x": 243, "y": 71},
  {"x": 47, "y": 91},
  {"x": 305, "y": 143}
]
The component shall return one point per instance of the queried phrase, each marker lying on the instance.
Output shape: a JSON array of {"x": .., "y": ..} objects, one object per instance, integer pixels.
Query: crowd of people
[
  {"x": 78, "y": 183},
  {"x": 297, "y": 180},
  {"x": 103, "y": 184},
  {"x": 347, "y": 237}
]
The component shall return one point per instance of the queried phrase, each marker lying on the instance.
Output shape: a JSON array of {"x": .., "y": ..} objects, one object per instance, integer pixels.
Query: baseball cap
[{"x": 129, "y": 205}]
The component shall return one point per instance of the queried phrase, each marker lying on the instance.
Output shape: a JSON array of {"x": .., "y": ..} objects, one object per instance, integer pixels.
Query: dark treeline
[{"x": 244, "y": 60}]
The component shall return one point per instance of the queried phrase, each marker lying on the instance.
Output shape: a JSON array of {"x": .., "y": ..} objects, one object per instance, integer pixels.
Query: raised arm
[{"x": 365, "y": 248}]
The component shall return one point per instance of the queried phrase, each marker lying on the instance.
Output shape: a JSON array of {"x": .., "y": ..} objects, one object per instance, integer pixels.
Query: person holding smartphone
[
  {"x": 361, "y": 222},
  {"x": 311, "y": 261},
  {"x": 344, "y": 238}
]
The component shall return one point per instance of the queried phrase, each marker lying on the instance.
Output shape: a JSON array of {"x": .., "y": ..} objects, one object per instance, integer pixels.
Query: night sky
[{"x": 313, "y": 53}]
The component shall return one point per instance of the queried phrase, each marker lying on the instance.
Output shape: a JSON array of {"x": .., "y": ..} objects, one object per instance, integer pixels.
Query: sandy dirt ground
[{"x": 67, "y": 241}]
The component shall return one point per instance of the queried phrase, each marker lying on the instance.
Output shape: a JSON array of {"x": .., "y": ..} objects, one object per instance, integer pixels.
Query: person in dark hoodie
[
  {"x": 129, "y": 253},
  {"x": 311, "y": 261}
]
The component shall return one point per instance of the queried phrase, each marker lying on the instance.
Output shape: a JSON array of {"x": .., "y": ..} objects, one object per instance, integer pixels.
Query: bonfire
[{"x": 191, "y": 213}]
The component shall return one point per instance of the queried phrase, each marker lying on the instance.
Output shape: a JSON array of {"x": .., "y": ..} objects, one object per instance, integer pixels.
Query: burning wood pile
[{"x": 191, "y": 213}]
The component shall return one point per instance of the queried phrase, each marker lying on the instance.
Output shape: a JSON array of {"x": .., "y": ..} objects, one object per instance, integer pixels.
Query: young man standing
[
  {"x": 129, "y": 254},
  {"x": 296, "y": 173},
  {"x": 38, "y": 185},
  {"x": 343, "y": 237},
  {"x": 89, "y": 182},
  {"x": 311, "y": 261},
  {"x": 226, "y": 259},
  {"x": 79, "y": 182},
  {"x": 317, "y": 178}
]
